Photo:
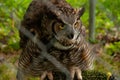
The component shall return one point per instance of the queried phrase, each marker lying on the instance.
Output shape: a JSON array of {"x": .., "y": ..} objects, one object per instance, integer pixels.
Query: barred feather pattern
[
  {"x": 83, "y": 55},
  {"x": 31, "y": 61}
]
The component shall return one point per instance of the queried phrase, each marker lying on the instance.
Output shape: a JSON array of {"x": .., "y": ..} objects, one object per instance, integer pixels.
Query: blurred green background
[{"x": 107, "y": 23}]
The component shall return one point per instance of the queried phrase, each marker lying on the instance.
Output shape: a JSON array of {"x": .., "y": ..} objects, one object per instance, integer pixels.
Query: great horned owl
[{"x": 57, "y": 23}]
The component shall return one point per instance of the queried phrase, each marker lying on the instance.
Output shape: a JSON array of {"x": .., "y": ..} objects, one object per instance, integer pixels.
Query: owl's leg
[
  {"x": 48, "y": 74},
  {"x": 78, "y": 73},
  {"x": 72, "y": 72},
  {"x": 76, "y": 70},
  {"x": 42, "y": 77}
]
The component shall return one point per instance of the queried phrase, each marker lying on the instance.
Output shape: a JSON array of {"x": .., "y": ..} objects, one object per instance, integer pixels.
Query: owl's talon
[
  {"x": 42, "y": 77},
  {"x": 48, "y": 74},
  {"x": 76, "y": 70}
]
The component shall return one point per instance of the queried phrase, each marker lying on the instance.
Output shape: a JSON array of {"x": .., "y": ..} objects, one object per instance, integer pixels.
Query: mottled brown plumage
[{"x": 55, "y": 23}]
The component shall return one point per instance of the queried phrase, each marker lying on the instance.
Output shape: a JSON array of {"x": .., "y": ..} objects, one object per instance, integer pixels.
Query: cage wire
[{"x": 53, "y": 59}]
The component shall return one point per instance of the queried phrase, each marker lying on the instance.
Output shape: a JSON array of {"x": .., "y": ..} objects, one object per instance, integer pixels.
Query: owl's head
[
  {"x": 55, "y": 22},
  {"x": 66, "y": 28}
]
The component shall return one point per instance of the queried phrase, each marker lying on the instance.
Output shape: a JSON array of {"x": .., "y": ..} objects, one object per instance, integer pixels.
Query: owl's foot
[
  {"x": 48, "y": 74},
  {"x": 76, "y": 70}
]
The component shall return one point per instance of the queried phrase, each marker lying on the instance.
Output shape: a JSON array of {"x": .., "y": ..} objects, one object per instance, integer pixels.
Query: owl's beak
[{"x": 69, "y": 32}]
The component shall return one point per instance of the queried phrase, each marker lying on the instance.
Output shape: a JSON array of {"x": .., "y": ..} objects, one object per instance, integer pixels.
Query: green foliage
[
  {"x": 6, "y": 73},
  {"x": 107, "y": 15},
  {"x": 113, "y": 9},
  {"x": 113, "y": 48},
  {"x": 11, "y": 12}
]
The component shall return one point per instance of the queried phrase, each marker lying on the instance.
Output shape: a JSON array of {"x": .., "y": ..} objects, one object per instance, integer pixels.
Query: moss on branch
[{"x": 87, "y": 75}]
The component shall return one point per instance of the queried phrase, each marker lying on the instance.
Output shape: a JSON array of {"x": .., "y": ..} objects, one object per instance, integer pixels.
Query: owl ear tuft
[{"x": 81, "y": 11}]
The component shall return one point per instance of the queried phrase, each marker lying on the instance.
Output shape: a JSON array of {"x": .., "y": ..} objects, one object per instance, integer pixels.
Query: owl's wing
[{"x": 30, "y": 20}]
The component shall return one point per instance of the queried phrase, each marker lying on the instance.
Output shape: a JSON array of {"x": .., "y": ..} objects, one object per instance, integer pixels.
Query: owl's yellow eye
[
  {"x": 61, "y": 27},
  {"x": 76, "y": 24}
]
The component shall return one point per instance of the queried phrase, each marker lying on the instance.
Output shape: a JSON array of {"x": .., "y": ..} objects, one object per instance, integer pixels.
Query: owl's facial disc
[{"x": 63, "y": 35}]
